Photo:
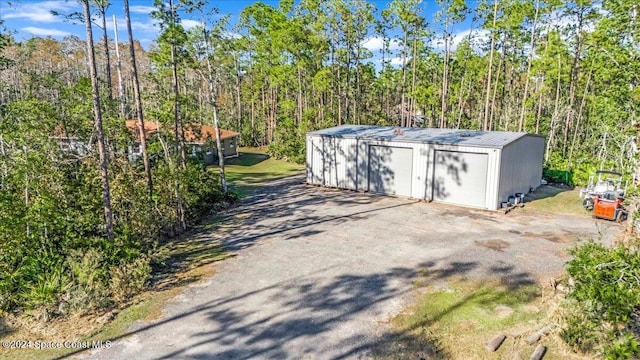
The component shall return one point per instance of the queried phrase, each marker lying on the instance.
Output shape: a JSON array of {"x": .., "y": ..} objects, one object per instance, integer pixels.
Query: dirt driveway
[{"x": 317, "y": 272}]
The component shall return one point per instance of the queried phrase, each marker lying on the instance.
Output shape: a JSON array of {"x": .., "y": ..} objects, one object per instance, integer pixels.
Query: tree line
[
  {"x": 567, "y": 70},
  {"x": 80, "y": 219}
]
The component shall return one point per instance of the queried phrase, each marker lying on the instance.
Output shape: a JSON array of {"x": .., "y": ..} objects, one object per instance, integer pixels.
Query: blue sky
[{"x": 33, "y": 18}]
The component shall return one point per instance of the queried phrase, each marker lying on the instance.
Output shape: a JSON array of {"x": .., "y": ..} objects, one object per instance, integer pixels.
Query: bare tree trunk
[
  {"x": 347, "y": 87},
  {"x": 461, "y": 100},
  {"x": 214, "y": 105},
  {"x": 238, "y": 96},
  {"x": 493, "y": 97},
  {"x": 121, "y": 98},
  {"x": 272, "y": 110},
  {"x": 177, "y": 123},
  {"x": 555, "y": 113},
  {"x": 105, "y": 40},
  {"x": 573, "y": 82},
  {"x": 539, "y": 113},
  {"x": 489, "y": 75},
  {"x": 412, "y": 108},
  {"x": 357, "y": 101},
  {"x": 138, "y": 100},
  {"x": 579, "y": 117},
  {"x": 340, "y": 91},
  {"x": 299, "y": 95},
  {"x": 97, "y": 114},
  {"x": 445, "y": 73},
  {"x": 526, "y": 81},
  {"x": 403, "y": 93}
]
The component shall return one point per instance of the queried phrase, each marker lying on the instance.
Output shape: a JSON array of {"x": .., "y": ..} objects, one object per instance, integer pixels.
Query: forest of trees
[
  {"x": 568, "y": 70},
  {"x": 565, "y": 69}
]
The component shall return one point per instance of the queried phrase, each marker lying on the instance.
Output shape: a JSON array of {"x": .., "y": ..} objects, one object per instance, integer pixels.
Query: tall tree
[
  {"x": 138, "y": 101},
  {"x": 485, "y": 123},
  {"x": 121, "y": 98},
  {"x": 214, "y": 106},
  {"x": 97, "y": 114},
  {"x": 173, "y": 36},
  {"x": 529, "y": 63},
  {"x": 453, "y": 11},
  {"x": 103, "y": 5}
]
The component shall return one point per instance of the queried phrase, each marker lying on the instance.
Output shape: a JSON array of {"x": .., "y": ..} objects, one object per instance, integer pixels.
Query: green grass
[
  {"x": 254, "y": 168},
  {"x": 473, "y": 304},
  {"x": 456, "y": 322},
  {"x": 555, "y": 200}
]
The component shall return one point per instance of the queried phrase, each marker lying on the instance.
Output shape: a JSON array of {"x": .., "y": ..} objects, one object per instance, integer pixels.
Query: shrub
[
  {"x": 89, "y": 290},
  {"x": 289, "y": 141},
  {"x": 129, "y": 278},
  {"x": 604, "y": 296}
]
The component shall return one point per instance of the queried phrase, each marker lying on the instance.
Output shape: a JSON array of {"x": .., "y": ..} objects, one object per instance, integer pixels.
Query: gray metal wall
[
  {"x": 521, "y": 166},
  {"x": 461, "y": 178},
  {"x": 344, "y": 163},
  {"x": 332, "y": 162},
  {"x": 493, "y": 171}
]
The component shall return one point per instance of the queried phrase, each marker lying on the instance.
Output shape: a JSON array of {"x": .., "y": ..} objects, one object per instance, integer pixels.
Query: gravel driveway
[{"x": 317, "y": 272}]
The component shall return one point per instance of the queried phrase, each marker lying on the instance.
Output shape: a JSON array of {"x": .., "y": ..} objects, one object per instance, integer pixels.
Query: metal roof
[{"x": 490, "y": 139}]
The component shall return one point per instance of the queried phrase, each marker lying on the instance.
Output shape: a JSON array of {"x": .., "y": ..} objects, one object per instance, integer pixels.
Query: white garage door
[
  {"x": 390, "y": 170},
  {"x": 460, "y": 178}
]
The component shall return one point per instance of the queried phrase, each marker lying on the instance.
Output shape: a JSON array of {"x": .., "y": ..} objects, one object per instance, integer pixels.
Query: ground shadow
[
  {"x": 177, "y": 257},
  {"x": 246, "y": 159},
  {"x": 547, "y": 191},
  {"x": 310, "y": 308},
  {"x": 287, "y": 208},
  {"x": 4, "y": 328},
  {"x": 296, "y": 316},
  {"x": 406, "y": 345}
]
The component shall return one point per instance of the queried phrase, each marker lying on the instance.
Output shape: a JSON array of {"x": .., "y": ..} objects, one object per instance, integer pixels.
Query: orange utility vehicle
[
  {"x": 609, "y": 208},
  {"x": 604, "y": 184}
]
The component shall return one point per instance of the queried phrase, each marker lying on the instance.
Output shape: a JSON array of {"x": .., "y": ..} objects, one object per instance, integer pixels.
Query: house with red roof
[{"x": 200, "y": 140}]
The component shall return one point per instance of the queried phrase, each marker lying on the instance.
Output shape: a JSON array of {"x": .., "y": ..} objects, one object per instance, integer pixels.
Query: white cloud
[
  {"x": 44, "y": 32},
  {"x": 189, "y": 24},
  {"x": 397, "y": 61},
  {"x": 373, "y": 44},
  {"x": 143, "y": 26},
  {"x": 39, "y": 11},
  {"x": 232, "y": 35},
  {"x": 141, "y": 9},
  {"x": 376, "y": 43},
  {"x": 135, "y": 25}
]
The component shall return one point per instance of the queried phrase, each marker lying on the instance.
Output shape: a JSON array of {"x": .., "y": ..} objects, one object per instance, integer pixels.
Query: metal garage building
[{"x": 463, "y": 167}]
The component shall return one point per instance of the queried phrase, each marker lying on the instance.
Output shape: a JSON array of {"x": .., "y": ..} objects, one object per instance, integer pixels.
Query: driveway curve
[{"x": 317, "y": 272}]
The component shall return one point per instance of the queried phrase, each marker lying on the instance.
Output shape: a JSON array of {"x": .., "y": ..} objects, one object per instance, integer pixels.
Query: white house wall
[{"x": 521, "y": 167}]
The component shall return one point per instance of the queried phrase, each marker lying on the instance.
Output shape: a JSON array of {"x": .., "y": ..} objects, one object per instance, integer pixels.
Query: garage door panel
[
  {"x": 390, "y": 170},
  {"x": 460, "y": 178}
]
